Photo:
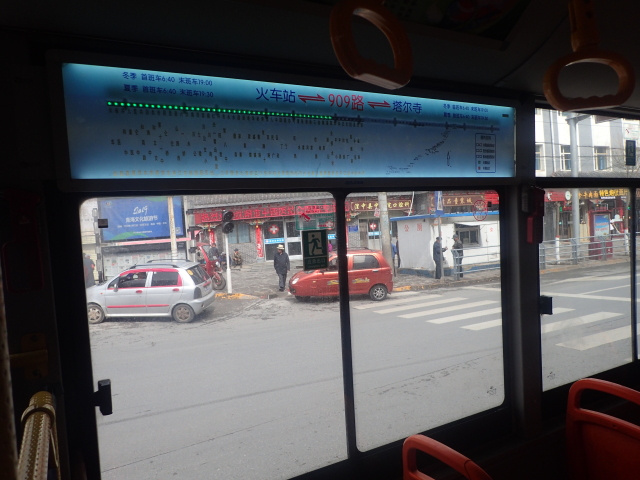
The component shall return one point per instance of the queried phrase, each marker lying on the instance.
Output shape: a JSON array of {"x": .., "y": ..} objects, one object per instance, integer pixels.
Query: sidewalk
[{"x": 259, "y": 280}]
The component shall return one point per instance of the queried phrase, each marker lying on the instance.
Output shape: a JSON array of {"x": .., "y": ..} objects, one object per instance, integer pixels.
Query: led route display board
[{"x": 134, "y": 123}]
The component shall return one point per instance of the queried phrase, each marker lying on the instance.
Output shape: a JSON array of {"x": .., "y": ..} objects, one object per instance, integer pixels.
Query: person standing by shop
[
  {"x": 89, "y": 267},
  {"x": 437, "y": 256},
  {"x": 394, "y": 252},
  {"x": 456, "y": 250},
  {"x": 282, "y": 266}
]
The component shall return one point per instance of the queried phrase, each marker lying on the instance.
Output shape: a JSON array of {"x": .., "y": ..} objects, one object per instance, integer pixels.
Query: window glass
[
  {"x": 585, "y": 268},
  {"x": 164, "y": 279},
  {"x": 210, "y": 373},
  {"x": 361, "y": 262},
  {"x": 240, "y": 233},
  {"x": 600, "y": 145},
  {"x": 426, "y": 351},
  {"x": 538, "y": 156},
  {"x": 133, "y": 280}
]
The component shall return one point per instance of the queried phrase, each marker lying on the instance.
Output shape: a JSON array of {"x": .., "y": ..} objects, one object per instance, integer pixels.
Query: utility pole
[
  {"x": 573, "y": 120},
  {"x": 385, "y": 236},
  {"x": 172, "y": 229}
]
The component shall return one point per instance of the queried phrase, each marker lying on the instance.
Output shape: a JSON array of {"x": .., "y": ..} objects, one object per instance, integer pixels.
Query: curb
[
  {"x": 565, "y": 268},
  {"x": 234, "y": 296},
  {"x": 430, "y": 286}
]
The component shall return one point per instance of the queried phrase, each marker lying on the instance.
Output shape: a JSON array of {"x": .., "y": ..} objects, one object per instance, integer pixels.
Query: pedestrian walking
[
  {"x": 437, "y": 256},
  {"x": 282, "y": 266},
  {"x": 456, "y": 250}
]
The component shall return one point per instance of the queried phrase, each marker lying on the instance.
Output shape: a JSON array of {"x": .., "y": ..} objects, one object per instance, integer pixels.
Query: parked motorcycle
[{"x": 219, "y": 282}]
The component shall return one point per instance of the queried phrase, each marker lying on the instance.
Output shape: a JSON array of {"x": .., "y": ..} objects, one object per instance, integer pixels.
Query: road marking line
[
  {"x": 559, "y": 310},
  {"x": 403, "y": 294},
  {"x": 483, "y": 325},
  {"x": 395, "y": 302},
  {"x": 605, "y": 289},
  {"x": 598, "y": 339},
  {"x": 464, "y": 316},
  {"x": 577, "y": 321},
  {"x": 587, "y": 297},
  {"x": 447, "y": 309},
  {"x": 419, "y": 305},
  {"x": 488, "y": 289}
]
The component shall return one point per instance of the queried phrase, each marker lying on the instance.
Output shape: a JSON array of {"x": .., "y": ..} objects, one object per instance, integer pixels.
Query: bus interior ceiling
[{"x": 493, "y": 52}]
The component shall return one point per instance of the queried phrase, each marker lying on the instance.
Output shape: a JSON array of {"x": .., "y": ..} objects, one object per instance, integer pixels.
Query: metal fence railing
[
  {"x": 476, "y": 260},
  {"x": 575, "y": 251}
]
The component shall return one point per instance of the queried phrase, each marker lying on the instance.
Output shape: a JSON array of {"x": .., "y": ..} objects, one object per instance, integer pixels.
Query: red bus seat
[
  {"x": 600, "y": 446},
  {"x": 447, "y": 455}
]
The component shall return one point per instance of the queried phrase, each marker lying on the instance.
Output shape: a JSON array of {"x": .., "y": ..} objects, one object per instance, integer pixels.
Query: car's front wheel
[
  {"x": 378, "y": 292},
  {"x": 183, "y": 313},
  {"x": 95, "y": 314}
]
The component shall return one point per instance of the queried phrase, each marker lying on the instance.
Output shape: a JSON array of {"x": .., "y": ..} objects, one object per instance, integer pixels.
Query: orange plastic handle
[
  {"x": 622, "y": 67},
  {"x": 584, "y": 41},
  {"x": 345, "y": 48}
]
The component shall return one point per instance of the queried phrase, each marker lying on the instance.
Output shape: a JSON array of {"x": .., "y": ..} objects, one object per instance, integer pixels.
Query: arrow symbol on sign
[
  {"x": 309, "y": 98},
  {"x": 379, "y": 104},
  {"x": 305, "y": 217}
]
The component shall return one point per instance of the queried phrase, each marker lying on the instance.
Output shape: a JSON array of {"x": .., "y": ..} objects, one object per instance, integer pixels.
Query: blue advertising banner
[
  {"x": 139, "y": 218},
  {"x": 136, "y": 123}
]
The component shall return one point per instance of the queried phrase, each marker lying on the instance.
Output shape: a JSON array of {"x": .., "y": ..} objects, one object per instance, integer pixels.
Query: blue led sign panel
[{"x": 132, "y": 123}]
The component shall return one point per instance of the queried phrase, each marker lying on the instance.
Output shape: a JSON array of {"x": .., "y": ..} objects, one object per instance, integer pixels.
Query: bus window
[
  {"x": 208, "y": 373},
  {"x": 426, "y": 331},
  {"x": 585, "y": 267}
]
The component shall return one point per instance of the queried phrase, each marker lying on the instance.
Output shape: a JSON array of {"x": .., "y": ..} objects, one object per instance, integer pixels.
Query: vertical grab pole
[{"x": 8, "y": 451}]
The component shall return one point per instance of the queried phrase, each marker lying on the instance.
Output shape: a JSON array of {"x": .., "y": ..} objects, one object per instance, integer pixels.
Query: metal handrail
[{"x": 39, "y": 450}]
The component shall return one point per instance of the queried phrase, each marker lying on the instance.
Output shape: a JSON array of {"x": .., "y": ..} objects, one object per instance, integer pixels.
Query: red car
[{"x": 369, "y": 273}]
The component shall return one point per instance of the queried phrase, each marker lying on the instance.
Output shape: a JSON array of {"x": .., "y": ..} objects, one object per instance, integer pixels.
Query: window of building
[
  {"x": 565, "y": 157},
  {"x": 240, "y": 234},
  {"x": 469, "y": 235},
  {"x": 601, "y": 158},
  {"x": 538, "y": 156}
]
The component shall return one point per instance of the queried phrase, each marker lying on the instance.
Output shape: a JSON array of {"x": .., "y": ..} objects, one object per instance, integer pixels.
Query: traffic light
[{"x": 227, "y": 224}]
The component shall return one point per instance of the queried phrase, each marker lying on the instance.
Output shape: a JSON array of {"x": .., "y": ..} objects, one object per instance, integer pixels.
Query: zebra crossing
[{"x": 437, "y": 309}]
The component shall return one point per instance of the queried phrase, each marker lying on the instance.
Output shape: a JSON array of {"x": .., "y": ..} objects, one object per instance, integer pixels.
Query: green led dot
[{"x": 128, "y": 104}]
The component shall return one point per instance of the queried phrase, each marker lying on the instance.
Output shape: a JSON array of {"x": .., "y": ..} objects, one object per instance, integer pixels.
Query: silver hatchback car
[{"x": 179, "y": 289}]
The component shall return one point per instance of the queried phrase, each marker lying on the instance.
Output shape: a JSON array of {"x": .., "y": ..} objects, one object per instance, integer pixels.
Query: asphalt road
[{"x": 253, "y": 388}]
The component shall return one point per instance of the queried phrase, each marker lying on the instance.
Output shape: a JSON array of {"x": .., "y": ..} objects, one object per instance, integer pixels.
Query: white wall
[
  {"x": 416, "y": 242},
  {"x": 416, "y": 237}
]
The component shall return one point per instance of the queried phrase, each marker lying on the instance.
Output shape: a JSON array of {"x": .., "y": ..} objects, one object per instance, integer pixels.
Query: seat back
[
  {"x": 600, "y": 446},
  {"x": 446, "y": 455}
]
